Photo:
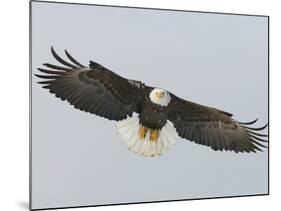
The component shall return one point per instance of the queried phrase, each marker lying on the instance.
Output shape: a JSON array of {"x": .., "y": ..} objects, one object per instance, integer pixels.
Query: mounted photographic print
[{"x": 133, "y": 105}]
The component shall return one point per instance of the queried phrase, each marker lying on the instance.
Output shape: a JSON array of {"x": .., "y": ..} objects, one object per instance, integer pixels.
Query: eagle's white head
[{"x": 160, "y": 97}]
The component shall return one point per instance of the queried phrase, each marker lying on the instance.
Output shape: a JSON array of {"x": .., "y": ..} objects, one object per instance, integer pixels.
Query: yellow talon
[
  {"x": 154, "y": 135},
  {"x": 142, "y": 132}
]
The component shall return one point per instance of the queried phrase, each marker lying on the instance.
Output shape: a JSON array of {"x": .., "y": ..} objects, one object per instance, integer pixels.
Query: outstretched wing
[
  {"x": 212, "y": 127},
  {"x": 94, "y": 89}
]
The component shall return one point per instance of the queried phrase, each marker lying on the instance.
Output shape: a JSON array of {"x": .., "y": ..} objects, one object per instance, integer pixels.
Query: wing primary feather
[
  {"x": 104, "y": 105},
  {"x": 192, "y": 133},
  {"x": 184, "y": 130},
  {"x": 260, "y": 128},
  {"x": 259, "y": 144},
  {"x": 196, "y": 136},
  {"x": 210, "y": 137},
  {"x": 207, "y": 137},
  {"x": 57, "y": 67},
  {"x": 59, "y": 59},
  {"x": 72, "y": 59},
  {"x": 90, "y": 98},
  {"x": 75, "y": 94},
  {"x": 257, "y": 138},
  {"x": 236, "y": 141},
  {"x": 218, "y": 138},
  {"x": 47, "y": 76},
  {"x": 249, "y": 123},
  {"x": 232, "y": 144},
  {"x": 98, "y": 101},
  {"x": 65, "y": 92},
  {"x": 95, "y": 65},
  {"x": 222, "y": 136},
  {"x": 213, "y": 134},
  {"x": 46, "y": 82},
  {"x": 61, "y": 84},
  {"x": 100, "y": 104},
  {"x": 201, "y": 135},
  {"x": 230, "y": 141},
  {"x": 50, "y": 71},
  {"x": 76, "y": 100},
  {"x": 91, "y": 106},
  {"x": 64, "y": 87},
  {"x": 245, "y": 144},
  {"x": 235, "y": 145},
  {"x": 257, "y": 134}
]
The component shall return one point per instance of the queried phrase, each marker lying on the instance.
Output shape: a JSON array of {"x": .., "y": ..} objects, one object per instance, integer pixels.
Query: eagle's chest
[{"x": 153, "y": 116}]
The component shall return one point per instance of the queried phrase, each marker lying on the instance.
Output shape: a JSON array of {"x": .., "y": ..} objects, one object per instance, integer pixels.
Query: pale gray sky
[{"x": 217, "y": 60}]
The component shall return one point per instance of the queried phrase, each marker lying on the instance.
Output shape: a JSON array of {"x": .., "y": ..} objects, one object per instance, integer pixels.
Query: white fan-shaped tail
[{"x": 129, "y": 131}]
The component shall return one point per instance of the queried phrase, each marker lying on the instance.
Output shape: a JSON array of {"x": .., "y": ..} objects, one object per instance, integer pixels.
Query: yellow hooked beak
[{"x": 160, "y": 94}]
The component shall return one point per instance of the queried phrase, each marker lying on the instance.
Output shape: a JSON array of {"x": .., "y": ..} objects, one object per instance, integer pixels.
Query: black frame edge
[
  {"x": 30, "y": 106},
  {"x": 151, "y": 8},
  {"x": 149, "y": 202}
]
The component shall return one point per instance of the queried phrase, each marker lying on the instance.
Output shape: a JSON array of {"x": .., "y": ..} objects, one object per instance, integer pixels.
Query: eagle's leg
[
  {"x": 154, "y": 135},
  {"x": 142, "y": 132}
]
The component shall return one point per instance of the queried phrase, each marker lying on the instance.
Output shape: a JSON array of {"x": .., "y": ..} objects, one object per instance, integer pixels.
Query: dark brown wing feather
[
  {"x": 93, "y": 89},
  {"x": 212, "y": 127}
]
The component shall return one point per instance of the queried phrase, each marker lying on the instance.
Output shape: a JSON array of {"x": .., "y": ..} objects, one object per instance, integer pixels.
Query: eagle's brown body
[{"x": 153, "y": 116}]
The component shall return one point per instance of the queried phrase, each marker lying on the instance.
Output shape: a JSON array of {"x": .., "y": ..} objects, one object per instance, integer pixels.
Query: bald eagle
[{"x": 149, "y": 120}]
